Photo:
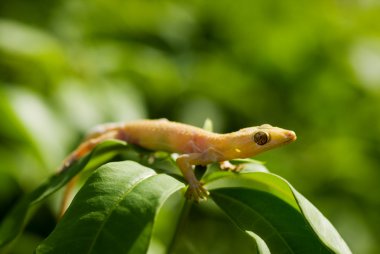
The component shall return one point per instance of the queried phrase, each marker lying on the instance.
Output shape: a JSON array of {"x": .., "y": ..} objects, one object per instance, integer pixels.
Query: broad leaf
[
  {"x": 13, "y": 224},
  {"x": 269, "y": 206},
  {"x": 116, "y": 209}
]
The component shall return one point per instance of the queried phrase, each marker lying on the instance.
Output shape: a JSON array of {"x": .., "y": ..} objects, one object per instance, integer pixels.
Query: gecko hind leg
[
  {"x": 195, "y": 191},
  {"x": 83, "y": 149}
]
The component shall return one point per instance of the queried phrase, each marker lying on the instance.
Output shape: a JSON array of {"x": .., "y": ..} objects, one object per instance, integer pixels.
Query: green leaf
[
  {"x": 320, "y": 224},
  {"x": 262, "y": 248},
  {"x": 28, "y": 41},
  {"x": 15, "y": 221},
  {"x": 208, "y": 125},
  {"x": 115, "y": 208},
  {"x": 270, "y": 207}
]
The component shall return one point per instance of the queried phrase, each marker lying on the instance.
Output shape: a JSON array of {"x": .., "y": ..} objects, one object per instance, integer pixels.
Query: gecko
[{"x": 194, "y": 145}]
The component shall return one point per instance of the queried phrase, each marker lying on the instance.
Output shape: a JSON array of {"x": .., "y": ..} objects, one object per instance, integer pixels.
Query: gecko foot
[
  {"x": 228, "y": 166},
  {"x": 196, "y": 192}
]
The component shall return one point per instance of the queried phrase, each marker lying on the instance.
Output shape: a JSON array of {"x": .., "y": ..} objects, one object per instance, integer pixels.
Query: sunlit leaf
[
  {"x": 13, "y": 224},
  {"x": 115, "y": 210},
  {"x": 262, "y": 248},
  {"x": 208, "y": 125},
  {"x": 27, "y": 41},
  {"x": 269, "y": 206}
]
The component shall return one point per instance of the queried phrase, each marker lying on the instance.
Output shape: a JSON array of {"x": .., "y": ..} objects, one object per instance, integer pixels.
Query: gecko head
[{"x": 265, "y": 137}]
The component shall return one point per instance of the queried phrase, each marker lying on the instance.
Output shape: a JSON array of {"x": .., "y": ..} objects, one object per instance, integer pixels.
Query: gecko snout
[{"x": 291, "y": 135}]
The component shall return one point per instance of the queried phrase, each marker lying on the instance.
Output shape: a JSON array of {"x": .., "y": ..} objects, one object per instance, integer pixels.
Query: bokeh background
[{"x": 312, "y": 66}]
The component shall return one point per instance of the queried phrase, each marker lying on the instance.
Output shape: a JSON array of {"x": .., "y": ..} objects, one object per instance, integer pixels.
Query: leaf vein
[{"x": 122, "y": 197}]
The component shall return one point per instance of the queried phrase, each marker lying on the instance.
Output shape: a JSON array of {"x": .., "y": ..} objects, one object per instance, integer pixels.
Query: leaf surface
[
  {"x": 15, "y": 221},
  {"x": 114, "y": 211},
  {"x": 268, "y": 206}
]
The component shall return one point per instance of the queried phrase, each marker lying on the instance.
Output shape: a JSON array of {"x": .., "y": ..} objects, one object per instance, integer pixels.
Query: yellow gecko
[{"x": 195, "y": 146}]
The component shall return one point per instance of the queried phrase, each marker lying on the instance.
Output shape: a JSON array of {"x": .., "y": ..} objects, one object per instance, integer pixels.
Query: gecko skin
[{"x": 196, "y": 146}]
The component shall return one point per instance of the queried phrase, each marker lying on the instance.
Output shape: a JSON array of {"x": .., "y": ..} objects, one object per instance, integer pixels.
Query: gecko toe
[{"x": 197, "y": 192}]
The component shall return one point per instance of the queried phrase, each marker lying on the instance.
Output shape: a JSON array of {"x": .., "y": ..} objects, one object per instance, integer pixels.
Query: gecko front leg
[{"x": 228, "y": 166}]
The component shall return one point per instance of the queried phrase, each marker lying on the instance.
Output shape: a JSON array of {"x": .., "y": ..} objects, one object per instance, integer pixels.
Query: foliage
[
  {"x": 116, "y": 210},
  {"x": 312, "y": 67}
]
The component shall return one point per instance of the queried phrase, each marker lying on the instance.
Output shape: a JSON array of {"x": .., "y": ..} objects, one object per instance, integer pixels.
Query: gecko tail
[{"x": 67, "y": 196}]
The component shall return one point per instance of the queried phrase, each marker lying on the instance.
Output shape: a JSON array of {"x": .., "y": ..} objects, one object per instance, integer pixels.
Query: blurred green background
[{"x": 313, "y": 67}]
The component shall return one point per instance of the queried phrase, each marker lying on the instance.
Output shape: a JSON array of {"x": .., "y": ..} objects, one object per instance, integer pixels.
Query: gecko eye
[{"x": 261, "y": 138}]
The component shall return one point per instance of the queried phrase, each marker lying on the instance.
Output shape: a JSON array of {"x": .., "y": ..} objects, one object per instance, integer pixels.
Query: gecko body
[{"x": 194, "y": 145}]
